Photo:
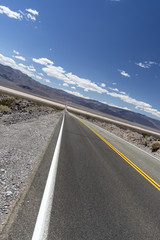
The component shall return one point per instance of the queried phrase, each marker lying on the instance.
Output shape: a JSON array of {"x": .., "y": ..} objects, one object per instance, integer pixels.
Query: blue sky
[{"x": 108, "y": 50}]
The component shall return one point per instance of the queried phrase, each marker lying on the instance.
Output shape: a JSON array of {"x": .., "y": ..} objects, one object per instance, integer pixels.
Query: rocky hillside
[{"x": 15, "y": 109}]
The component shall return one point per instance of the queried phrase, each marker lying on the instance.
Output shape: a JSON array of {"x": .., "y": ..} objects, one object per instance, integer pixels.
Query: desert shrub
[
  {"x": 155, "y": 146},
  {"x": 57, "y": 108},
  {"x": 88, "y": 117},
  {"x": 6, "y": 102},
  {"x": 4, "y": 109},
  {"x": 144, "y": 134}
]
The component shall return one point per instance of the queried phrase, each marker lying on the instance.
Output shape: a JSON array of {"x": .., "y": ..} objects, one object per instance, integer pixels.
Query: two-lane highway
[{"x": 98, "y": 195}]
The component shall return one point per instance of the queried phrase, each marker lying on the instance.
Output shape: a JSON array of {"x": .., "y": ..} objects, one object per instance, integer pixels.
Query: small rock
[
  {"x": 6, "y": 205},
  {"x": 9, "y": 193}
]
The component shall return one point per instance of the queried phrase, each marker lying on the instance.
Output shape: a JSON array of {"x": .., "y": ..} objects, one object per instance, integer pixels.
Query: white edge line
[{"x": 43, "y": 218}]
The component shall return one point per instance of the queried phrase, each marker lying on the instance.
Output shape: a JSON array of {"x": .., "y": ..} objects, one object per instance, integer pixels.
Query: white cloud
[
  {"x": 38, "y": 77},
  {"x": 73, "y": 87},
  {"x": 28, "y": 15},
  {"x": 10, "y": 13},
  {"x": 43, "y": 61},
  {"x": 151, "y": 63},
  {"x": 41, "y": 74},
  {"x": 114, "y": 83},
  {"x": 10, "y": 62},
  {"x": 117, "y": 90},
  {"x": 126, "y": 108},
  {"x": 114, "y": 89},
  {"x": 65, "y": 84},
  {"x": 20, "y": 58},
  {"x": 31, "y": 17},
  {"x": 86, "y": 84},
  {"x": 123, "y": 93},
  {"x": 69, "y": 78},
  {"x": 142, "y": 65},
  {"x": 31, "y": 68},
  {"x": 103, "y": 102},
  {"x": 7, "y": 61},
  {"x": 33, "y": 12},
  {"x": 103, "y": 84},
  {"x": 56, "y": 72},
  {"x": 152, "y": 111},
  {"x": 22, "y": 65},
  {"x": 44, "y": 79},
  {"x": 21, "y": 12},
  {"x": 75, "y": 93},
  {"x": 115, "y": 0},
  {"x": 146, "y": 64},
  {"x": 123, "y": 73},
  {"x": 138, "y": 104},
  {"x": 128, "y": 99},
  {"x": 113, "y": 105},
  {"x": 15, "y": 52},
  {"x": 47, "y": 80}
]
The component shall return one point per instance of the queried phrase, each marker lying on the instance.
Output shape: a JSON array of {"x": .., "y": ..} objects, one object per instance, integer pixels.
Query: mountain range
[{"x": 17, "y": 80}]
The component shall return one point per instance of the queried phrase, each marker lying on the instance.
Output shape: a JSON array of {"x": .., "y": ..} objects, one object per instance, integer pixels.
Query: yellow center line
[{"x": 155, "y": 184}]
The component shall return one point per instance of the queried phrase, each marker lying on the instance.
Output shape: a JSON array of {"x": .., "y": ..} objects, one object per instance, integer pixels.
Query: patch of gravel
[
  {"x": 142, "y": 141},
  {"x": 23, "y": 138}
]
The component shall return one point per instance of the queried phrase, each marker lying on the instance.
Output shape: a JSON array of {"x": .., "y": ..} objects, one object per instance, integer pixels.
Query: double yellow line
[{"x": 155, "y": 184}]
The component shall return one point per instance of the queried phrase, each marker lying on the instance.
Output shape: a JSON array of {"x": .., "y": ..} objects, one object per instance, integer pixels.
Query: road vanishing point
[{"x": 105, "y": 189}]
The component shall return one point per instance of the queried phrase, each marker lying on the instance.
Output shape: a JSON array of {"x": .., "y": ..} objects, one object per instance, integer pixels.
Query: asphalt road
[{"x": 98, "y": 196}]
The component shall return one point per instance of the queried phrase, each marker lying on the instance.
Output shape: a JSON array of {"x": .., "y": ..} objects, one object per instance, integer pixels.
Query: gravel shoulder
[{"x": 25, "y": 130}]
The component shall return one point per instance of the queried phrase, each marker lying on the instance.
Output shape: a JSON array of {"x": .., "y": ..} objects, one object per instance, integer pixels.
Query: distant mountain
[{"x": 17, "y": 80}]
